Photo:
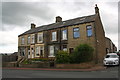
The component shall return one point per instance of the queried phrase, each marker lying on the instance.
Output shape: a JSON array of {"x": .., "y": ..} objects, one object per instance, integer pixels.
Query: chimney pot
[
  {"x": 96, "y": 9},
  {"x": 58, "y": 19},
  {"x": 33, "y": 25}
]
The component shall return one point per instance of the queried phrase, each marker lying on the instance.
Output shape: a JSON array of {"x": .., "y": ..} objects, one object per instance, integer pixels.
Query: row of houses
[
  {"x": 46, "y": 40},
  {"x": 110, "y": 46}
]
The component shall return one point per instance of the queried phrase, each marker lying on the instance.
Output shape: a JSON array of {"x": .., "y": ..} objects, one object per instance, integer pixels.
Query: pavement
[{"x": 95, "y": 68}]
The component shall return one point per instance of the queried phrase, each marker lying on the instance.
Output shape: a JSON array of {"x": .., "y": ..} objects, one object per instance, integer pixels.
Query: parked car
[
  {"x": 118, "y": 53},
  {"x": 111, "y": 59}
]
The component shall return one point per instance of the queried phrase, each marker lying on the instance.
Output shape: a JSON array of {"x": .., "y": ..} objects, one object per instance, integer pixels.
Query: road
[{"x": 111, "y": 72}]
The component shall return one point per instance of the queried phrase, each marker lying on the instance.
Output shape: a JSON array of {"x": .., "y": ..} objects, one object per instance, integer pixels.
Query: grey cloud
[
  {"x": 18, "y": 13},
  {"x": 119, "y": 25}
]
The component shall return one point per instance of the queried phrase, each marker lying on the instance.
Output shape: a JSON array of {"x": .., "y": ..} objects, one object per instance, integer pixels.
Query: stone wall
[
  {"x": 76, "y": 66},
  {"x": 36, "y": 65}
]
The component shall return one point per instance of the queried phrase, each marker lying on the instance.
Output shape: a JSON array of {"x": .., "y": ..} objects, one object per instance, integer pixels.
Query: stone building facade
[{"x": 46, "y": 40}]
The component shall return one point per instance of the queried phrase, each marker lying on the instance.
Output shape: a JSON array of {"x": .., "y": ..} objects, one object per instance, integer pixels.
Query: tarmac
[{"x": 95, "y": 68}]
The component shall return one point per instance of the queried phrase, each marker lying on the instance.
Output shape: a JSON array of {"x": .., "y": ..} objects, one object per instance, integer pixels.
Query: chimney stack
[
  {"x": 58, "y": 19},
  {"x": 33, "y": 25},
  {"x": 96, "y": 9}
]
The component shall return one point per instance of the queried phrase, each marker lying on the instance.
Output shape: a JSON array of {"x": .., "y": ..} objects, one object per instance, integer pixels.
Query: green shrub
[
  {"x": 62, "y": 57},
  {"x": 82, "y": 53}
]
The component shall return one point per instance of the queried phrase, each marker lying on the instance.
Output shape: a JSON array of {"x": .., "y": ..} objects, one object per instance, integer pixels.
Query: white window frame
[
  {"x": 28, "y": 39},
  {"x": 22, "y": 40},
  {"x": 54, "y": 36},
  {"x": 22, "y": 51},
  {"x": 51, "y": 51},
  {"x": 64, "y": 35},
  {"x": 33, "y": 38},
  {"x": 28, "y": 53},
  {"x": 38, "y": 37},
  {"x": 41, "y": 48},
  {"x": 37, "y": 51},
  {"x": 74, "y": 31}
]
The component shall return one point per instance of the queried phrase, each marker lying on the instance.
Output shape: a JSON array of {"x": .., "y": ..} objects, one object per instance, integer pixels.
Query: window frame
[
  {"x": 41, "y": 48},
  {"x": 37, "y": 51},
  {"x": 22, "y": 40},
  {"x": 89, "y": 29},
  {"x": 53, "y": 48},
  {"x": 64, "y": 38},
  {"x": 55, "y": 34},
  {"x": 38, "y": 37},
  {"x": 32, "y": 38},
  {"x": 22, "y": 52},
  {"x": 71, "y": 50},
  {"x": 76, "y": 31},
  {"x": 28, "y": 39}
]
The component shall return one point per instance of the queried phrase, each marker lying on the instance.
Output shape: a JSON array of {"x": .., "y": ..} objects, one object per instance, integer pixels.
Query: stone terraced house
[{"x": 46, "y": 40}]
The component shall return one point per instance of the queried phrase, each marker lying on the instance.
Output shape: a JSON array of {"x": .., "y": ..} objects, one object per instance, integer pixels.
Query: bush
[
  {"x": 62, "y": 57},
  {"x": 82, "y": 53}
]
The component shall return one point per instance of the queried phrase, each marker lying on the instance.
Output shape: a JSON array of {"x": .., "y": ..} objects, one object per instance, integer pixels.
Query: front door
[
  {"x": 28, "y": 53},
  {"x": 32, "y": 53}
]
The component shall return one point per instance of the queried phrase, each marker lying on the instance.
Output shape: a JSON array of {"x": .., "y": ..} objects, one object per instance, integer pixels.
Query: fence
[{"x": 9, "y": 58}]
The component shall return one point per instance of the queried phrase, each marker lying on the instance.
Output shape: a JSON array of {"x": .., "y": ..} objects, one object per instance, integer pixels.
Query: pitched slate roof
[{"x": 66, "y": 23}]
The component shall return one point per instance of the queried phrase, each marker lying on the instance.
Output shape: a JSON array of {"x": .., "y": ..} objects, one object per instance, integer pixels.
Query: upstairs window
[
  {"x": 40, "y": 37},
  {"x": 22, "y": 40},
  {"x": 54, "y": 36},
  {"x": 89, "y": 30},
  {"x": 64, "y": 35},
  {"x": 28, "y": 40},
  {"x": 76, "y": 33},
  {"x": 33, "y": 38}
]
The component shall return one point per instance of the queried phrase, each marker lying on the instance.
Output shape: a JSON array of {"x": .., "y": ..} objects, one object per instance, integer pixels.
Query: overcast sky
[{"x": 17, "y": 17}]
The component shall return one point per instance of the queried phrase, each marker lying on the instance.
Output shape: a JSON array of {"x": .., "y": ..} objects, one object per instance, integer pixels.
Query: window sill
[
  {"x": 40, "y": 42},
  {"x": 89, "y": 36},
  {"x": 64, "y": 39},
  {"x": 76, "y": 37},
  {"x": 51, "y": 56},
  {"x": 53, "y": 40}
]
